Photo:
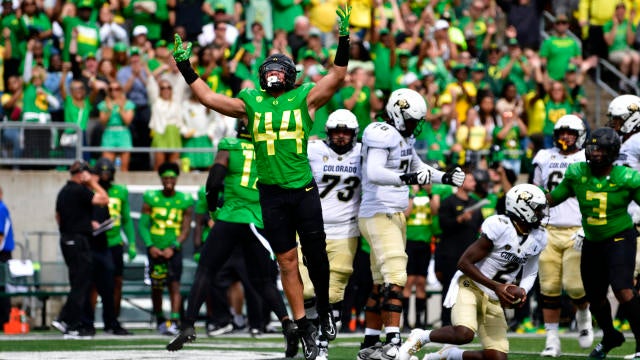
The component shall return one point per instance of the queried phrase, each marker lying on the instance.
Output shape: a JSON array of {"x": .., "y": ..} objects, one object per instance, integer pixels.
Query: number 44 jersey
[
  {"x": 338, "y": 179},
  {"x": 550, "y": 166}
]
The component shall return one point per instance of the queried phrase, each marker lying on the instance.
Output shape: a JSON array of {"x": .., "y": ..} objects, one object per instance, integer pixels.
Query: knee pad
[
  {"x": 375, "y": 298},
  {"x": 391, "y": 292},
  {"x": 551, "y": 302}
]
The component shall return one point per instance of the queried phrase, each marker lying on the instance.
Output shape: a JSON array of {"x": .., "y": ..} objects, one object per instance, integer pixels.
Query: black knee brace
[
  {"x": 376, "y": 296},
  {"x": 391, "y": 292},
  {"x": 551, "y": 302},
  {"x": 309, "y": 303},
  {"x": 314, "y": 249}
]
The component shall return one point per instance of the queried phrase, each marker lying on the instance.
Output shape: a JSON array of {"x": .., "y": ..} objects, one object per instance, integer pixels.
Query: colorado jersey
[
  {"x": 338, "y": 179},
  {"x": 401, "y": 159},
  {"x": 550, "y": 166},
  {"x": 630, "y": 152},
  {"x": 513, "y": 258},
  {"x": 630, "y": 157}
]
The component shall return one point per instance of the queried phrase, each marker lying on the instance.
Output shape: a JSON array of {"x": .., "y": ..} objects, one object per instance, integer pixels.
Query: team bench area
[{"x": 50, "y": 279}]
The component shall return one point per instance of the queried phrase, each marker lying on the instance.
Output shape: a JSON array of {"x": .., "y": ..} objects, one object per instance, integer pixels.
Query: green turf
[{"x": 345, "y": 347}]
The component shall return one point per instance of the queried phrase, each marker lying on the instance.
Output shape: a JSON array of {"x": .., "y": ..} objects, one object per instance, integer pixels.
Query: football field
[{"x": 146, "y": 344}]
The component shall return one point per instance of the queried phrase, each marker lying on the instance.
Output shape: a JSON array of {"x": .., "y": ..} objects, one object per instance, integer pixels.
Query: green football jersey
[
  {"x": 241, "y": 199},
  {"x": 119, "y": 209},
  {"x": 166, "y": 216},
  {"x": 420, "y": 219},
  {"x": 280, "y": 131},
  {"x": 603, "y": 201}
]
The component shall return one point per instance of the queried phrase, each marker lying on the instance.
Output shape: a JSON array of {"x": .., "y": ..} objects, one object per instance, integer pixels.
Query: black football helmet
[
  {"x": 105, "y": 166},
  {"x": 607, "y": 140},
  {"x": 282, "y": 63}
]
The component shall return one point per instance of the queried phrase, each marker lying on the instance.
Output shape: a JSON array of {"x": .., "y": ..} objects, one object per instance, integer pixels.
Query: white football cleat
[
  {"x": 412, "y": 344},
  {"x": 585, "y": 329},
  {"x": 552, "y": 348},
  {"x": 440, "y": 355}
]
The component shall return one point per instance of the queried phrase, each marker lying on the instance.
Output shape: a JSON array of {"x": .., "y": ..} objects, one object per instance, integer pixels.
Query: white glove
[
  {"x": 578, "y": 238},
  {"x": 453, "y": 177}
]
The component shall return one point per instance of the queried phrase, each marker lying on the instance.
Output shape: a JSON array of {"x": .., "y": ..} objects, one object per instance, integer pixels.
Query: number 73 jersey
[{"x": 338, "y": 179}]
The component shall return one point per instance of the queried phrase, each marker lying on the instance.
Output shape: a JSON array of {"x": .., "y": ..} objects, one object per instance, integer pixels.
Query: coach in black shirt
[
  {"x": 74, "y": 209},
  {"x": 459, "y": 229}
]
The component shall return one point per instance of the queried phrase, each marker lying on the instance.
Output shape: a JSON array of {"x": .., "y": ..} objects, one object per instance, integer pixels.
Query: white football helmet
[
  {"x": 527, "y": 203},
  {"x": 406, "y": 108},
  {"x": 570, "y": 122},
  {"x": 624, "y": 114},
  {"x": 342, "y": 119}
]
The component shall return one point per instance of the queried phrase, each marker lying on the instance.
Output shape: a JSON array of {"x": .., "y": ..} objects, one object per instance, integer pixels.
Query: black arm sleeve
[{"x": 215, "y": 183}]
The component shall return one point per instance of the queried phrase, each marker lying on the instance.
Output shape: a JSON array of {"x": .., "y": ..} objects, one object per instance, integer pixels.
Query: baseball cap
[
  {"x": 512, "y": 42},
  {"x": 120, "y": 47},
  {"x": 139, "y": 30},
  {"x": 403, "y": 52},
  {"x": 84, "y": 4},
  {"x": 409, "y": 78},
  {"x": 315, "y": 32},
  {"x": 572, "y": 68},
  {"x": 477, "y": 66},
  {"x": 308, "y": 53},
  {"x": 441, "y": 25},
  {"x": 90, "y": 55},
  {"x": 562, "y": 18},
  {"x": 219, "y": 8},
  {"x": 134, "y": 51},
  {"x": 161, "y": 43},
  {"x": 384, "y": 31}
]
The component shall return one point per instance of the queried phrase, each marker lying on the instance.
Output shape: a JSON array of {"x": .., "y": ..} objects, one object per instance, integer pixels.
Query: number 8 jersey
[
  {"x": 549, "y": 168},
  {"x": 338, "y": 179}
]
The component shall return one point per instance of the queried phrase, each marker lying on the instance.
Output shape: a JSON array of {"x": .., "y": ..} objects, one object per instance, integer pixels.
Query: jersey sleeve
[
  {"x": 147, "y": 196},
  {"x": 201, "y": 203},
  {"x": 380, "y": 135},
  {"x": 493, "y": 228}
]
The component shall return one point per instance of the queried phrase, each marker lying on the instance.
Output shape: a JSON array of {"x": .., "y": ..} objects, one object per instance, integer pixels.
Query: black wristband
[
  {"x": 342, "y": 53},
  {"x": 187, "y": 71}
]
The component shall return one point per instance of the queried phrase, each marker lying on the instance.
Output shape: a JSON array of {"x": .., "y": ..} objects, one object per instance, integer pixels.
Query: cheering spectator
[
  {"x": 619, "y": 33},
  {"x": 166, "y": 121},
  {"x": 559, "y": 50},
  {"x": 116, "y": 114}
]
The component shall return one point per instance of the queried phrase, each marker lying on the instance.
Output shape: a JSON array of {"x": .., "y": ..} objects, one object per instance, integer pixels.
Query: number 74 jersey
[{"x": 338, "y": 178}]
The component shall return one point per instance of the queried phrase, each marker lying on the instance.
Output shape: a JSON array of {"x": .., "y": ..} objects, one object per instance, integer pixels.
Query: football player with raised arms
[
  {"x": 390, "y": 164},
  {"x": 336, "y": 166},
  {"x": 560, "y": 261},
  {"x": 496, "y": 271},
  {"x": 279, "y": 117},
  {"x": 604, "y": 191}
]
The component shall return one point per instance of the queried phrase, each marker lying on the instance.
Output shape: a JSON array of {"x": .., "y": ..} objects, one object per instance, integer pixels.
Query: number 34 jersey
[
  {"x": 338, "y": 179},
  {"x": 550, "y": 166}
]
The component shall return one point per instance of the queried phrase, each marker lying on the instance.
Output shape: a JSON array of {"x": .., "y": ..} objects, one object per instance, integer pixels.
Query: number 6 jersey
[
  {"x": 549, "y": 168},
  {"x": 338, "y": 179}
]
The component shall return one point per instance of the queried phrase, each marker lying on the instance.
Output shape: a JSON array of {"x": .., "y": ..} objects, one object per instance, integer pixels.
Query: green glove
[
  {"x": 343, "y": 14},
  {"x": 196, "y": 257},
  {"x": 179, "y": 52},
  {"x": 132, "y": 253}
]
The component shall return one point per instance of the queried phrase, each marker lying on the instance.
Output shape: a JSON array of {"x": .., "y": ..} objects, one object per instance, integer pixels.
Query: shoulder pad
[
  {"x": 542, "y": 156},
  {"x": 381, "y": 135}
]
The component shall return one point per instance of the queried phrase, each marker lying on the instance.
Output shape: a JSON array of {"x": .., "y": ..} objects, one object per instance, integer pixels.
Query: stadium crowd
[{"x": 494, "y": 94}]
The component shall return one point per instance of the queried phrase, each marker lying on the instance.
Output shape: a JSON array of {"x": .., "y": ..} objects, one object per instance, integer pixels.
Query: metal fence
[{"x": 57, "y": 144}]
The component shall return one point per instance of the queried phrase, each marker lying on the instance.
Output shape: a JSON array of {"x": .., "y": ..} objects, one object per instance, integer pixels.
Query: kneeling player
[{"x": 488, "y": 280}]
